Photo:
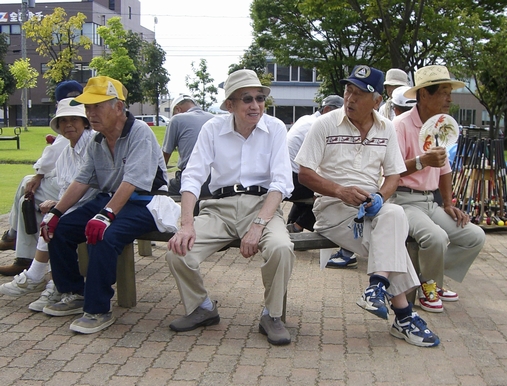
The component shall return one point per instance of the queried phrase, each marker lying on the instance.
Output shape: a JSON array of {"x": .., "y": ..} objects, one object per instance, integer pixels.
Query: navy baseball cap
[
  {"x": 368, "y": 79},
  {"x": 66, "y": 87}
]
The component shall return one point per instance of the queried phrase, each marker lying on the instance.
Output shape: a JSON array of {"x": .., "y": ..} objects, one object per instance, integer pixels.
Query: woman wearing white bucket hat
[
  {"x": 71, "y": 122},
  {"x": 248, "y": 158}
]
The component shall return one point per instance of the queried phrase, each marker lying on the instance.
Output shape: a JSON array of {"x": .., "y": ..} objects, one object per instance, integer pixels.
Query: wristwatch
[
  {"x": 418, "y": 163},
  {"x": 260, "y": 221}
]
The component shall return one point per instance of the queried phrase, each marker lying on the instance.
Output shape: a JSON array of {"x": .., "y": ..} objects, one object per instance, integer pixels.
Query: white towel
[{"x": 165, "y": 212}]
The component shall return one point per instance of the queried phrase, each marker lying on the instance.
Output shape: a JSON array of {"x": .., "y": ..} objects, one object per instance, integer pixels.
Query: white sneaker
[
  {"x": 48, "y": 297},
  {"x": 22, "y": 285}
]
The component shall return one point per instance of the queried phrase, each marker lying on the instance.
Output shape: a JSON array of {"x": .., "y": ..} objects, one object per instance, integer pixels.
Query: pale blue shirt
[{"x": 262, "y": 159}]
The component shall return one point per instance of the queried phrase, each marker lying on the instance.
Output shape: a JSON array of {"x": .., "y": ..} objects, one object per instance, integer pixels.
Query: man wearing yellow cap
[{"x": 117, "y": 215}]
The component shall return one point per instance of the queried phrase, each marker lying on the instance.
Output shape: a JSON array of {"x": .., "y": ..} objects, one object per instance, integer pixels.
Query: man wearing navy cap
[{"x": 343, "y": 159}]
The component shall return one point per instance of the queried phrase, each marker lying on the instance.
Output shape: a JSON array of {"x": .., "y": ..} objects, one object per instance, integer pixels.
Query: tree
[
  {"x": 8, "y": 81},
  {"x": 156, "y": 76},
  {"x": 25, "y": 76},
  {"x": 480, "y": 55},
  {"x": 59, "y": 40},
  {"x": 333, "y": 35},
  {"x": 201, "y": 85},
  {"x": 116, "y": 63},
  {"x": 254, "y": 59}
]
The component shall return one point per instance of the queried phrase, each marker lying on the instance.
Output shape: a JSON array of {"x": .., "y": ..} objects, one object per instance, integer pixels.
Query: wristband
[
  {"x": 380, "y": 194},
  {"x": 56, "y": 212},
  {"x": 108, "y": 213}
]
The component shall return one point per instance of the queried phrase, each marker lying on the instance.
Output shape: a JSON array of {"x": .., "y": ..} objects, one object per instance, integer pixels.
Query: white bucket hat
[
  {"x": 242, "y": 79},
  {"x": 179, "y": 99},
  {"x": 430, "y": 75},
  {"x": 400, "y": 100},
  {"x": 64, "y": 109},
  {"x": 396, "y": 77}
]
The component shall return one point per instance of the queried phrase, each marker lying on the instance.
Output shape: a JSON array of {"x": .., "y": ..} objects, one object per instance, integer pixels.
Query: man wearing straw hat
[
  {"x": 448, "y": 242},
  {"x": 248, "y": 158},
  {"x": 115, "y": 217}
]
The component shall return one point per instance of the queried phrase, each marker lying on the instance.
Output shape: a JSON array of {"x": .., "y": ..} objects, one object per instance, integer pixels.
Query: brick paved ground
[{"x": 334, "y": 341}]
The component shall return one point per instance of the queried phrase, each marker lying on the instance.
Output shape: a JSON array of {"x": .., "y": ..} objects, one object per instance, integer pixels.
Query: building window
[
  {"x": 301, "y": 111},
  {"x": 285, "y": 113},
  {"x": 130, "y": 13},
  {"x": 111, "y": 5},
  {"x": 10, "y": 29},
  {"x": 466, "y": 117},
  {"x": 90, "y": 31},
  {"x": 282, "y": 74},
  {"x": 81, "y": 72},
  {"x": 305, "y": 75},
  {"x": 290, "y": 73}
]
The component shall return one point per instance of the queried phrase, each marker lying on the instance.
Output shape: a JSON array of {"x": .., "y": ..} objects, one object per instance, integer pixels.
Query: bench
[
  {"x": 15, "y": 137},
  {"x": 125, "y": 271}
]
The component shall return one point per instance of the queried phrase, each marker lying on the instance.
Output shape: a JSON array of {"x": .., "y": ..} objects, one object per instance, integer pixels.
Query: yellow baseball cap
[{"x": 100, "y": 89}]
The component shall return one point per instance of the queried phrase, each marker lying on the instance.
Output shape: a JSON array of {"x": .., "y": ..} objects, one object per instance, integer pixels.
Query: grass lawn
[{"x": 15, "y": 164}]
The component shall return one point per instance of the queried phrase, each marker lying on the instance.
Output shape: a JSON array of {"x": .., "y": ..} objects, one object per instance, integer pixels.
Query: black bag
[{"x": 28, "y": 209}]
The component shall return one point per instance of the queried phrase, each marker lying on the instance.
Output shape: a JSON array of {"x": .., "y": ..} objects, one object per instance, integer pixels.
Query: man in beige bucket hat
[
  {"x": 247, "y": 155},
  {"x": 394, "y": 78},
  {"x": 448, "y": 242}
]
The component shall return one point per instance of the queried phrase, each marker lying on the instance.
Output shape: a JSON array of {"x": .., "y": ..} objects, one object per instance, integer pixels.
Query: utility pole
[{"x": 24, "y": 92}]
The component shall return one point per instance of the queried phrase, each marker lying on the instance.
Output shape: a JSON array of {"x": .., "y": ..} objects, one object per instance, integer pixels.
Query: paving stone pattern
[{"x": 334, "y": 342}]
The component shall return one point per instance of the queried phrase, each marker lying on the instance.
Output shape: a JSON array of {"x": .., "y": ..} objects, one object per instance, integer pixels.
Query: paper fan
[{"x": 439, "y": 130}]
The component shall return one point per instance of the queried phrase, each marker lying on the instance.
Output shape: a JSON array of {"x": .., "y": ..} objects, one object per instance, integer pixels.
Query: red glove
[
  {"x": 97, "y": 226},
  {"x": 49, "y": 223}
]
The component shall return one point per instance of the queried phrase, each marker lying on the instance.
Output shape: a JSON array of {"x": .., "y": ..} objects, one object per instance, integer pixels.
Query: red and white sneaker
[
  {"x": 447, "y": 295},
  {"x": 429, "y": 299}
]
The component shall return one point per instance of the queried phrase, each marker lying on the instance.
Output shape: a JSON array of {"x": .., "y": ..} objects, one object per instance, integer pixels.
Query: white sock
[
  {"x": 207, "y": 304},
  {"x": 265, "y": 311},
  {"x": 37, "y": 271}
]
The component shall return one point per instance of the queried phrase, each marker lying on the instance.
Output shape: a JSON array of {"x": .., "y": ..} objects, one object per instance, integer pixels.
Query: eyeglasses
[{"x": 249, "y": 99}]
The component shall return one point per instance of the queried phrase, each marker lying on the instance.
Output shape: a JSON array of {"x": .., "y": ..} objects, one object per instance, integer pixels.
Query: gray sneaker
[
  {"x": 91, "y": 323},
  {"x": 275, "y": 330},
  {"x": 48, "y": 297},
  {"x": 199, "y": 317},
  {"x": 71, "y": 304}
]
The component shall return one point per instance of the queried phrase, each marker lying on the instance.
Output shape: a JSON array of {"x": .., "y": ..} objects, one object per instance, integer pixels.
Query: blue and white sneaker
[
  {"x": 374, "y": 300},
  {"x": 338, "y": 260},
  {"x": 415, "y": 331}
]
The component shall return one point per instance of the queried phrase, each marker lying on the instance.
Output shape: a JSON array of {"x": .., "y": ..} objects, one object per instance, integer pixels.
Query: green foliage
[
  {"x": 116, "y": 63},
  {"x": 25, "y": 75},
  {"x": 201, "y": 85},
  {"x": 58, "y": 39},
  {"x": 8, "y": 83},
  {"x": 335, "y": 35},
  {"x": 156, "y": 76}
]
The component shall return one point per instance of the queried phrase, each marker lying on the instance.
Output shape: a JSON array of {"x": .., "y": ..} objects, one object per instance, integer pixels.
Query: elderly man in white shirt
[{"x": 247, "y": 155}]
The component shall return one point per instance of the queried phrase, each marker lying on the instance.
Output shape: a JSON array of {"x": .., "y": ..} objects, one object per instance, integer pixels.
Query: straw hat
[
  {"x": 242, "y": 79},
  {"x": 64, "y": 109},
  {"x": 430, "y": 75}
]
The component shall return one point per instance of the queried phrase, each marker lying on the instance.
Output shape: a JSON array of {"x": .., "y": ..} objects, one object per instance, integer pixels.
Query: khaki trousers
[
  {"x": 218, "y": 223},
  {"x": 444, "y": 248}
]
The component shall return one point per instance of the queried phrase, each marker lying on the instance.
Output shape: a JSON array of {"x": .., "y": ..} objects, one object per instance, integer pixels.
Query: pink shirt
[{"x": 408, "y": 125}]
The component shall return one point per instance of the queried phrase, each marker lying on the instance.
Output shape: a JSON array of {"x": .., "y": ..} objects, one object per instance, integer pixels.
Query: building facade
[{"x": 97, "y": 13}]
